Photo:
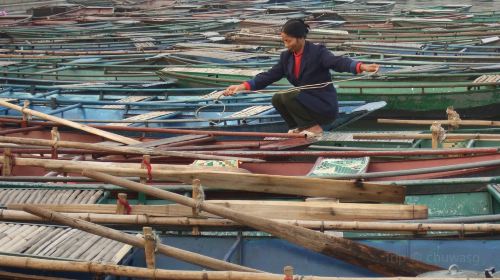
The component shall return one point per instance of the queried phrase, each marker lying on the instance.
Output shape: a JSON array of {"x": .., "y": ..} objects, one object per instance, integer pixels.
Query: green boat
[{"x": 478, "y": 98}]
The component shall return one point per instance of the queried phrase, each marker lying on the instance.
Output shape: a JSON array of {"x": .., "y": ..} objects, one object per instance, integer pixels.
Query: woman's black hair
[{"x": 295, "y": 28}]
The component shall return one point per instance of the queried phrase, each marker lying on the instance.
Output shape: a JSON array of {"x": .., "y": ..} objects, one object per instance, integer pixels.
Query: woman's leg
[
  {"x": 279, "y": 105},
  {"x": 300, "y": 114}
]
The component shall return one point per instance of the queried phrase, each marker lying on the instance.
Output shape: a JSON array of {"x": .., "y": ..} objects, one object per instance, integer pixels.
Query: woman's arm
[
  {"x": 261, "y": 80},
  {"x": 344, "y": 64}
]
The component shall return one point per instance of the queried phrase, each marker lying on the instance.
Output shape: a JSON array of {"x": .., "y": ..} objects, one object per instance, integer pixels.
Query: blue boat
[{"x": 245, "y": 112}]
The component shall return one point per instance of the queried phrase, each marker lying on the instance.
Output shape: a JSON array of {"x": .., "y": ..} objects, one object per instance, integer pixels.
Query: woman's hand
[
  {"x": 234, "y": 89},
  {"x": 369, "y": 67}
]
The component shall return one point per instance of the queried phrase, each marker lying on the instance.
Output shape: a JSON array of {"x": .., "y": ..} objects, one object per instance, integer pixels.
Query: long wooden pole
[
  {"x": 53, "y": 163},
  {"x": 290, "y": 185},
  {"x": 119, "y": 149},
  {"x": 454, "y": 136},
  {"x": 134, "y": 272},
  {"x": 379, "y": 261},
  {"x": 133, "y": 240},
  {"x": 446, "y": 122},
  {"x": 146, "y": 220},
  {"x": 139, "y": 272},
  {"x": 169, "y": 130},
  {"x": 286, "y": 210},
  {"x": 92, "y": 130}
]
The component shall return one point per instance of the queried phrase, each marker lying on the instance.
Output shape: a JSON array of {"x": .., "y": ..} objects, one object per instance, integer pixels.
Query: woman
[{"x": 304, "y": 63}]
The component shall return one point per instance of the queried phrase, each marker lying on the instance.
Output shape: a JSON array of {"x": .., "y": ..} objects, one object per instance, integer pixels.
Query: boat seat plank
[
  {"x": 126, "y": 99},
  {"x": 251, "y": 111},
  {"x": 144, "y": 117},
  {"x": 487, "y": 79},
  {"x": 59, "y": 242}
]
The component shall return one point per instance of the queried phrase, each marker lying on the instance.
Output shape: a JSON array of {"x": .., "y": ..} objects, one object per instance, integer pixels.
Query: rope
[
  {"x": 216, "y": 101},
  {"x": 128, "y": 208},
  {"x": 319, "y": 85},
  {"x": 149, "y": 168}
]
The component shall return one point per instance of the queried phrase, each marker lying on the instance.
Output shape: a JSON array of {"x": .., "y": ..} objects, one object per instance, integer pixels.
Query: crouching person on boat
[{"x": 306, "y": 65}]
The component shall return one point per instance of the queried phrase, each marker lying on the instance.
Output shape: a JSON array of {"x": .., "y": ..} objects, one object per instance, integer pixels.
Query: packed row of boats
[{"x": 117, "y": 140}]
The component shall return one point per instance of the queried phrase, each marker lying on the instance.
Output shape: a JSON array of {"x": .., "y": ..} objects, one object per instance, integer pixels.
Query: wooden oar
[
  {"x": 374, "y": 259},
  {"x": 92, "y": 130},
  {"x": 117, "y": 149},
  {"x": 133, "y": 240},
  {"x": 290, "y": 185}
]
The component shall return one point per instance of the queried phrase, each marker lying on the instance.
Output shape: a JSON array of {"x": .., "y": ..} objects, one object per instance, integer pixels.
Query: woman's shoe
[{"x": 310, "y": 134}]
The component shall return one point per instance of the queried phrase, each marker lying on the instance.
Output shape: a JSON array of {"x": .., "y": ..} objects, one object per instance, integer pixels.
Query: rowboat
[
  {"x": 205, "y": 112},
  {"x": 403, "y": 98}
]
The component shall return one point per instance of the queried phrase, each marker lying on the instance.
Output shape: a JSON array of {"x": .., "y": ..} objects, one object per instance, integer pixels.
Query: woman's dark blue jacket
[{"x": 315, "y": 67}]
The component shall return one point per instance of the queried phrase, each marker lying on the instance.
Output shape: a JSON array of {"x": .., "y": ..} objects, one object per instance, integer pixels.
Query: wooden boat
[
  {"x": 441, "y": 9},
  {"x": 403, "y": 98},
  {"x": 205, "y": 112}
]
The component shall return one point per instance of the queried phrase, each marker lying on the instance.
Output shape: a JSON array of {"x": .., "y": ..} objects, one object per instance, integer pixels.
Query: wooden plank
[
  {"x": 287, "y": 144},
  {"x": 143, "y": 117},
  {"x": 290, "y": 185},
  {"x": 169, "y": 140},
  {"x": 133, "y": 98},
  {"x": 288, "y": 210},
  {"x": 86, "y": 128}
]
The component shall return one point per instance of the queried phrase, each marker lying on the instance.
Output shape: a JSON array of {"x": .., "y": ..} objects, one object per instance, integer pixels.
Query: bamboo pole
[
  {"x": 445, "y": 168},
  {"x": 354, "y": 153},
  {"x": 443, "y": 122},
  {"x": 149, "y": 247},
  {"x": 379, "y": 261},
  {"x": 133, "y": 240},
  {"x": 291, "y": 185},
  {"x": 454, "y": 136},
  {"x": 171, "y": 130},
  {"x": 286, "y": 210},
  {"x": 92, "y": 130},
  {"x": 196, "y": 194},
  {"x": 138, "y": 272},
  {"x": 117, "y": 149},
  {"x": 129, "y": 271},
  {"x": 146, "y": 220}
]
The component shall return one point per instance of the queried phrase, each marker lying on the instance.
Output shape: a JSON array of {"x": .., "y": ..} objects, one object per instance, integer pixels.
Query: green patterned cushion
[
  {"x": 339, "y": 166},
  {"x": 217, "y": 163}
]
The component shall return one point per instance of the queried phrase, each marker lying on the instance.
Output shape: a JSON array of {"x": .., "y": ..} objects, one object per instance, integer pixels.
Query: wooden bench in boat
[
  {"x": 49, "y": 241},
  {"x": 126, "y": 99},
  {"x": 145, "y": 117}
]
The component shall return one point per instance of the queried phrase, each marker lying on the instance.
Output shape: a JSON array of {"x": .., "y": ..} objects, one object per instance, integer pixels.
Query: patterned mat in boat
[{"x": 325, "y": 167}]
